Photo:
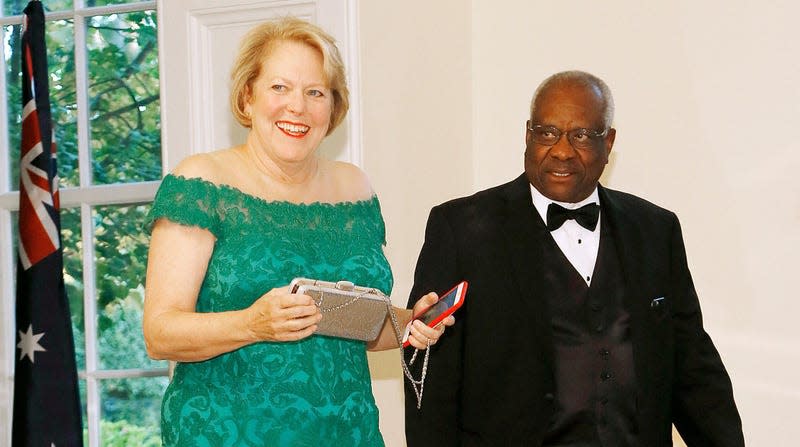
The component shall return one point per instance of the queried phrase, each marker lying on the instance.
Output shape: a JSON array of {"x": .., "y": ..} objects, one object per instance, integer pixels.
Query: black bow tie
[{"x": 586, "y": 216}]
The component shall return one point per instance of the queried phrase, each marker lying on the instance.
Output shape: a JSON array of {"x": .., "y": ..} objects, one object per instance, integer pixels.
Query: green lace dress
[{"x": 314, "y": 392}]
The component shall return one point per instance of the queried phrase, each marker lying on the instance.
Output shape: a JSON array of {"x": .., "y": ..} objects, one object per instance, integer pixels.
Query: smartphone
[{"x": 447, "y": 304}]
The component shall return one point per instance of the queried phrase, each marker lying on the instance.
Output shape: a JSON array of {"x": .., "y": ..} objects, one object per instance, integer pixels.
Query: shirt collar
[{"x": 541, "y": 202}]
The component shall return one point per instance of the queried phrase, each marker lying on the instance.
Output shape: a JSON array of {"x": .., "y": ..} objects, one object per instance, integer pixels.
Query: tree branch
[{"x": 128, "y": 108}]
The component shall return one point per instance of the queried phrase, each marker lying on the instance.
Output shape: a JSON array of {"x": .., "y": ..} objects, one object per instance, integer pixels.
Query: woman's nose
[{"x": 296, "y": 102}]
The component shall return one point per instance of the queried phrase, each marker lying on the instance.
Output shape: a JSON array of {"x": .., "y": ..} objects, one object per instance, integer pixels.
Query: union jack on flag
[
  {"x": 47, "y": 408},
  {"x": 38, "y": 186}
]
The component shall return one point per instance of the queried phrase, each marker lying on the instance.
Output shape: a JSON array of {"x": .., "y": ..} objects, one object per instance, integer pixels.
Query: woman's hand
[
  {"x": 282, "y": 316},
  {"x": 421, "y": 335}
]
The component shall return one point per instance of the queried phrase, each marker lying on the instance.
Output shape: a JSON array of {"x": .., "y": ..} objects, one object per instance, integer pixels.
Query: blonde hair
[{"x": 255, "y": 48}]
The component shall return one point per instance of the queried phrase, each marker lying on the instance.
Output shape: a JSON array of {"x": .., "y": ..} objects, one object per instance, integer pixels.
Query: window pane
[
  {"x": 13, "y": 7},
  {"x": 121, "y": 241},
  {"x": 11, "y": 45},
  {"x": 73, "y": 279},
  {"x": 124, "y": 97},
  {"x": 131, "y": 411},
  {"x": 109, "y": 2},
  {"x": 84, "y": 418},
  {"x": 57, "y": 5},
  {"x": 63, "y": 100}
]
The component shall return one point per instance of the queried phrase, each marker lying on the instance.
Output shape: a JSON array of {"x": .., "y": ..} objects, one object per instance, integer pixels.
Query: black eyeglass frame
[{"x": 594, "y": 136}]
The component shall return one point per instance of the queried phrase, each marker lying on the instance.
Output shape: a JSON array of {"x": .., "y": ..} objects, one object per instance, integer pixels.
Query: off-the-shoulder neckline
[{"x": 231, "y": 188}]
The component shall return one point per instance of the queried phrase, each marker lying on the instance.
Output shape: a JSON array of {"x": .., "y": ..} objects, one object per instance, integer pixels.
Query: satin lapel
[
  {"x": 523, "y": 233},
  {"x": 631, "y": 246}
]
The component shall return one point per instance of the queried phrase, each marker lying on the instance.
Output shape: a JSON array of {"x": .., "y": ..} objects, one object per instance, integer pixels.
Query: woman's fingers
[
  {"x": 422, "y": 335},
  {"x": 283, "y": 316}
]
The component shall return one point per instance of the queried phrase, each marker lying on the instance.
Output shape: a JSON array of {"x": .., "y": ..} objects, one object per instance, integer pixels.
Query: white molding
[
  {"x": 162, "y": 86},
  {"x": 84, "y": 12},
  {"x": 93, "y": 412},
  {"x": 5, "y": 152},
  {"x": 354, "y": 70},
  {"x": 82, "y": 103},
  {"x": 9, "y": 200},
  {"x": 205, "y": 25},
  {"x": 200, "y": 47},
  {"x": 340, "y": 19},
  {"x": 114, "y": 194},
  {"x": 7, "y": 325}
]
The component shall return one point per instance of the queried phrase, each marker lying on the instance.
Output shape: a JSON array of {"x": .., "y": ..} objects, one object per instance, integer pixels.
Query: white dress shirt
[{"x": 578, "y": 244}]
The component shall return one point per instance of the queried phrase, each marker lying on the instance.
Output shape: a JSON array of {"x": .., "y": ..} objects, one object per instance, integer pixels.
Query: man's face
[{"x": 562, "y": 172}]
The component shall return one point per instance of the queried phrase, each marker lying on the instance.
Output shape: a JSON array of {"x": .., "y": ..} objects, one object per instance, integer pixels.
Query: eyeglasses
[{"x": 579, "y": 138}]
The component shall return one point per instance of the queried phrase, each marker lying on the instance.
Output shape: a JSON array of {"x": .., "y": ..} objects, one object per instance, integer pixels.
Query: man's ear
[
  {"x": 609, "y": 140},
  {"x": 527, "y": 133}
]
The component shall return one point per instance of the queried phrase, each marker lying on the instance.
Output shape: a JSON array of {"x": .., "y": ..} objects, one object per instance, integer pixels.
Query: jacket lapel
[{"x": 523, "y": 233}]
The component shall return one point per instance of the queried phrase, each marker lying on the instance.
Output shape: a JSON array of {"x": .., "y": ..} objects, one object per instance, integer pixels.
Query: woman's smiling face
[{"x": 290, "y": 103}]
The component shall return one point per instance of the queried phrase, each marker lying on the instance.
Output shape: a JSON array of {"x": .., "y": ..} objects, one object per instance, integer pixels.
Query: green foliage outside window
[{"x": 122, "y": 434}]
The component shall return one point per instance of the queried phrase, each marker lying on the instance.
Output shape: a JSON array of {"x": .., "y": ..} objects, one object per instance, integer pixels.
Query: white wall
[
  {"x": 707, "y": 93},
  {"x": 416, "y": 112}
]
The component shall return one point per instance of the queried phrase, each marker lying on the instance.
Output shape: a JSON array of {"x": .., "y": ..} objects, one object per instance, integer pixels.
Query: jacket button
[{"x": 549, "y": 397}]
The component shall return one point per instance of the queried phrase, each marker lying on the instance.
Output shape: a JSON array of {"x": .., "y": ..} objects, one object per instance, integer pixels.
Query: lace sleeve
[{"x": 187, "y": 201}]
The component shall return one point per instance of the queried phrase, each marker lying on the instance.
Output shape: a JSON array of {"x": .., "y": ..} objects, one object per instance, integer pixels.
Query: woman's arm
[
  {"x": 173, "y": 330},
  {"x": 420, "y": 332}
]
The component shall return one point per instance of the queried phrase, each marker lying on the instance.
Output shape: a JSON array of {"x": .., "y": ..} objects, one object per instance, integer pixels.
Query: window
[{"x": 104, "y": 94}]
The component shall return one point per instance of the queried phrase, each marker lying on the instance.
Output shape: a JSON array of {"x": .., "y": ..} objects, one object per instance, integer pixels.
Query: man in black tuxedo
[{"x": 581, "y": 326}]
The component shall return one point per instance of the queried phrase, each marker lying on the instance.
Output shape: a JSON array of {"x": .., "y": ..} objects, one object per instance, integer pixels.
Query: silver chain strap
[
  {"x": 338, "y": 306},
  {"x": 417, "y": 385}
]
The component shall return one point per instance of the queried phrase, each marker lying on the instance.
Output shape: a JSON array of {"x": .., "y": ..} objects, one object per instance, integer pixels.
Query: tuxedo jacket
[{"x": 490, "y": 379}]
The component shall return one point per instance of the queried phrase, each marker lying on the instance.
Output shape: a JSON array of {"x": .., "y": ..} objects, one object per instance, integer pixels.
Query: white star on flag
[{"x": 29, "y": 343}]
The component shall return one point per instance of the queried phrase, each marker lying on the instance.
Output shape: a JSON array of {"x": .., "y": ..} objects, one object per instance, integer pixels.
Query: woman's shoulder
[
  {"x": 212, "y": 167},
  {"x": 189, "y": 195},
  {"x": 351, "y": 182}
]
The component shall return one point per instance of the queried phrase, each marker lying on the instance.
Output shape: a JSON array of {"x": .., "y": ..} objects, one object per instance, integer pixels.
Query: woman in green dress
[{"x": 233, "y": 227}]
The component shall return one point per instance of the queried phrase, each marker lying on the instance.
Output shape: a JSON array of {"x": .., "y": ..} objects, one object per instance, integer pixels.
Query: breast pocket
[{"x": 659, "y": 308}]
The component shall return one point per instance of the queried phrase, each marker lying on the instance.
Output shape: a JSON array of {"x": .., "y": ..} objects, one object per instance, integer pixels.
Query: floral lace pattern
[{"x": 314, "y": 392}]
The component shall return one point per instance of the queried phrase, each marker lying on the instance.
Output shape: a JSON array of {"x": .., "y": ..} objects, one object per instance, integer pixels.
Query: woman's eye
[
  {"x": 279, "y": 88},
  {"x": 316, "y": 93}
]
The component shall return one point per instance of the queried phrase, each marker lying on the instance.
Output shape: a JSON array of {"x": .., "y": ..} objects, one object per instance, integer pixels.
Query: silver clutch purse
[{"x": 348, "y": 310}]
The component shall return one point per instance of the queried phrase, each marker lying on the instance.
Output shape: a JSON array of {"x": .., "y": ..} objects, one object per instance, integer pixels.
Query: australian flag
[{"x": 47, "y": 408}]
